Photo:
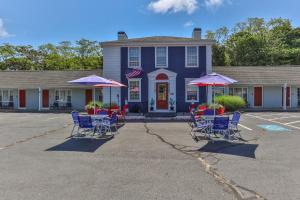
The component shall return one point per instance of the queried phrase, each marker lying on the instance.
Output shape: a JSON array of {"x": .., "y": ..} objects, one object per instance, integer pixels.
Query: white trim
[
  {"x": 167, "y": 57},
  {"x": 128, "y": 60},
  {"x": 140, "y": 92},
  {"x": 195, "y": 66},
  {"x": 262, "y": 96},
  {"x": 62, "y": 89},
  {"x": 208, "y": 59},
  {"x": 187, "y": 80}
]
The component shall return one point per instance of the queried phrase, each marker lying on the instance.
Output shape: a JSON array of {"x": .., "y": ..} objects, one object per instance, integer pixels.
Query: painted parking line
[
  {"x": 261, "y": 118},
  {"x": 245, "y": 127},
  {"x": 294, "y": 122},
  {"x": 286, "y": 117}
]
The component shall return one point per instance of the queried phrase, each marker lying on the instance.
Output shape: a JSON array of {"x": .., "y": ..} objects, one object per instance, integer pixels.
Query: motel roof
[
  {"x": 43, "y": 79},
  {"x": 262, "y": 75}
]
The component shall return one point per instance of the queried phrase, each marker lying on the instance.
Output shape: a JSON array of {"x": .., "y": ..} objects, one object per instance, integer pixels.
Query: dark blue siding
[{"x": 176, "y": 61}]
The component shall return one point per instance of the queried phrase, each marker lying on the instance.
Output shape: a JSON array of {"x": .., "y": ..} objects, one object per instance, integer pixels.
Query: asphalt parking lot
[{"x": 148, "y": 160}]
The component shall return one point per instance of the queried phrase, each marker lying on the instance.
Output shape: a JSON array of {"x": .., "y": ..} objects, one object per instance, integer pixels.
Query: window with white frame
[
  {"x": 219, "y": 91},
  {"x": 191, "y": 91},
  {"x": 6, "y": 95},
  {"x": 62, "y": 95},
  {"x": 241, "y": 92},
  {"x": 134, "y": 90},
  {"x": 134, "y": 57},
  {"x": 191, "y": 57},
  {"x": 161, "y": 56}
]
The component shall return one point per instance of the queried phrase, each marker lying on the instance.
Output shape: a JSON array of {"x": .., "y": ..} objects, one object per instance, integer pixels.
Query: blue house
[{"x": 157, "y": 71}]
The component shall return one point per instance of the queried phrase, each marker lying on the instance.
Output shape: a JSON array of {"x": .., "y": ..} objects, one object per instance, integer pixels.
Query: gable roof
[
  {"x": 157, "y": 40},
  {"x": 43, "y": 79},
  {"x": 262, "y": 75}
]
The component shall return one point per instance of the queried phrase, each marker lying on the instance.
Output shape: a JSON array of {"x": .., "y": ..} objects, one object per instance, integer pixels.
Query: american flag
[{"x": 134, "y": 73}]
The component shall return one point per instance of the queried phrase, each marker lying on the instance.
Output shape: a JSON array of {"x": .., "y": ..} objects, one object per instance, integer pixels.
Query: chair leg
[{"x": 72, "y": 130}]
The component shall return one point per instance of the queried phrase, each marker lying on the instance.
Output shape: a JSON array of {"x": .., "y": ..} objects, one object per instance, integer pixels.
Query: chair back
[
  {"x": 236, "y": 118},
  {"x": 75, "y": 115},
  {"x": 102, "y": 112},
  {"x": 208, "y": 112},
  {"x": 114, "y": 118},
  {"x": 85, "y": 122},
  {"x": 221, "y": 123}
]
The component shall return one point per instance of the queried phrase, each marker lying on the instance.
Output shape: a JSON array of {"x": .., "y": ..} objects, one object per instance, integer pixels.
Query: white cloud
[
  {"x": 188, "y": 24},
  {"x": 164, "y": 6},
  {"x": 3, "y": 32},
  {"x": 213, "y": 3}
]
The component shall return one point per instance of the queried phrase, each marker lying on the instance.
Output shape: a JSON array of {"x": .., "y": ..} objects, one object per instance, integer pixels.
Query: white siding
[
  {"x": 209, "y": 70},
  {"x": 112, "y": 70}
]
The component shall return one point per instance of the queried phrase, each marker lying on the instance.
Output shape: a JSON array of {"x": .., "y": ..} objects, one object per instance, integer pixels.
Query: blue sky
[{"x": 41, "y": 21}]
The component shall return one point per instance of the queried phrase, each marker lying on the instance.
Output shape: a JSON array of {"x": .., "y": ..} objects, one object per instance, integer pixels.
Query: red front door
[
  {"x": 287, "y": 97},
  {"x": 258, "y": 96},
  {"x": 161, "y": 96},
  {"x": 88, "y": 96},
  {"x": 22, "y": 98},
  {"x": 45, "y": 98}
]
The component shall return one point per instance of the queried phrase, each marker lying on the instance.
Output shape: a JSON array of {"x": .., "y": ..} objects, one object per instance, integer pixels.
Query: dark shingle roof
[
  {"x": 264, "y": 75},
  {"x": 43, "y": 79},
  {"x": 157, "y": 40}
]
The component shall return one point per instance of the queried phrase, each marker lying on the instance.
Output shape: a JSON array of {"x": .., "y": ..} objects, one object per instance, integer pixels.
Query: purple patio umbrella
[
  {"x": 213, "y": 79},
  {"x": 92, "y": 81}
]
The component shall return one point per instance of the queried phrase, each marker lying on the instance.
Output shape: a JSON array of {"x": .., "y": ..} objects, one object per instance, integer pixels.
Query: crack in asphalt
[
  {"x": 35, "y": 136},
  {"x": 235, "y": 188}
]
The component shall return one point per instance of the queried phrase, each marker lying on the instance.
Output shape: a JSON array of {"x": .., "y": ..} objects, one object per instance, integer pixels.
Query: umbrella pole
[
  {"x": 94, "y": 100},
  {"x": 214, "y": 100},
  {"x": 109, "y": 98}
]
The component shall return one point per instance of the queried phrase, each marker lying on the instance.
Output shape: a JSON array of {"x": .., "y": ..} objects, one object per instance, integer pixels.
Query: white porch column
[
  {"x": 40, "y": 98},
  {"x": 284, "y": 96}
]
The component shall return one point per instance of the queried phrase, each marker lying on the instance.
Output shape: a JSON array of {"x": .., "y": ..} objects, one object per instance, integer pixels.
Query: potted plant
[
  {"x": 152, "y": 104},
  {"x": 172, "y": 103},
  {"x": 218, "y": 107},
  {"x": 90, "y": 109}
]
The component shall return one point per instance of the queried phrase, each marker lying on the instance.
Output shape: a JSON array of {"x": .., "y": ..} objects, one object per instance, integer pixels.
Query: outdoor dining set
[
  {"x": 215, "y": 127},
  {"x": 95, "y": 126}
]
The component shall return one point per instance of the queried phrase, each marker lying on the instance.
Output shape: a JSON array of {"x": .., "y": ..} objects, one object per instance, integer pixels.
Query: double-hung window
[
  {"x": 134, "y": 90},
  {"x": 63, "y": 95},
  {"x": 134, "y": 57},
  {"x": 161, "y": 59},
  {"x": 241, "y": 92},
  {"x": 191, "y": 91},
  {"x": 191, "y": 58}
]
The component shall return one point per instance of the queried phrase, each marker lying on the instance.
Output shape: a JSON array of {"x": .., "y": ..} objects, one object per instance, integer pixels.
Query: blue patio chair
[
  {"x": 102, "y": 112},
  {"x": 86, "y": 125},
  {"x": 221, "y": 125},
  {"x": 75, "y": 115},
  {"x": 198, "y": 126},
  {"x": 234, "y": 123},
  {"x": 109, "y": 123}
]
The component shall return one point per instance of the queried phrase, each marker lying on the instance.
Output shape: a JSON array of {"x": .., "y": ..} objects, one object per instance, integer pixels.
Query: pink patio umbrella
[
  {"x": 213, "y": 80},
  {"x": 112, "y": 84}
]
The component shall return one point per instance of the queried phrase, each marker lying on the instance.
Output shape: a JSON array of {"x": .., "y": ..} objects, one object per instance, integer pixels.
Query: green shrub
[
  {"x": 90, "y": 105},
  {"x": 217, "y": 106},
  {"x": 231, "y": 103}
]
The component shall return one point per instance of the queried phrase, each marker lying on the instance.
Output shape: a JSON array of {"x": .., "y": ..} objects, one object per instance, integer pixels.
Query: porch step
[{"x": 160, "y": 114}]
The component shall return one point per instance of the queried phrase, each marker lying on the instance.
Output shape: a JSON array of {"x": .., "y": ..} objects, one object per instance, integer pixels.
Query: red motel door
[
  {"x": 45, "y": 98},
  {"x": 22, "y": 98},
  {"x": 88, "y": 96},
  {"x": 161, "y": 96},
  {"x": 258, "y": 96},
  {"x": 287, "y": 97}
]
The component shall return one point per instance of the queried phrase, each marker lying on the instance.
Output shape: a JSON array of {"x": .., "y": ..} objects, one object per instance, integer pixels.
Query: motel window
[
  {"x": 219, "y": 91},
  {"x": 6, "y": 95},
  {"x": 191, "y": 91},
  {"x": 134, "y": 57},
  {"x": 134, "y": 90},
  {"x": 63, "y": 95},
  {"x": 191, "y": 57},
  {"x": 161, "y": 56},
  {"x": 241, "y": 92},
  {"x": 298, "y": 95}
]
